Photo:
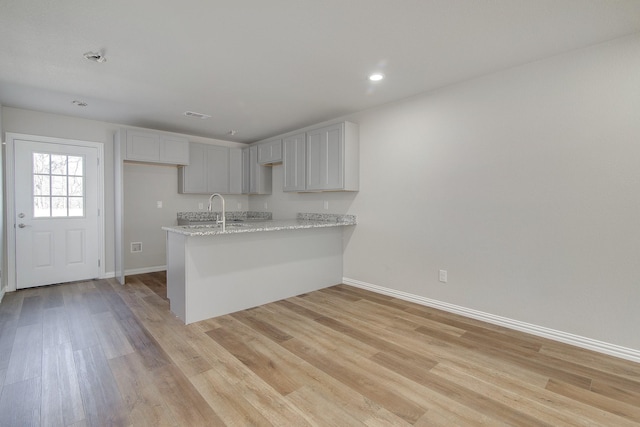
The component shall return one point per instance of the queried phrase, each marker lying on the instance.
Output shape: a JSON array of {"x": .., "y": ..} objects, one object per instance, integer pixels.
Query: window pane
[
  {"x": 75, "y": 186},
  {"x": 41, "y": 207},
  {"x": 58, "y": 206},
  {"x": 40, "y": 163},
  {"x": 41, "y": 185},
  {"x": 58, "y": 164},
  {"x": 76, "y": 206},
  {"x": 75, "y": 165},
  {"x": 58, "y": 185}
]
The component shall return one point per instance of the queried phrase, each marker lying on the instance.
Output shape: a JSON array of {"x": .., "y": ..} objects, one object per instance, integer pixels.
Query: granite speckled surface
[
  {"x": 303, "y": 221},
  {"x": 204, "y": 216}
]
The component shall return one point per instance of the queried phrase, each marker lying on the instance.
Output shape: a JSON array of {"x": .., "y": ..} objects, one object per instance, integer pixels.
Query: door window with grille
[{"x": 58, "y": 185}]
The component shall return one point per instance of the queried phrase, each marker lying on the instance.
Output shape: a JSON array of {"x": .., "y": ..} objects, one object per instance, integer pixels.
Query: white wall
[
  {"x": 140, "y": 193},
  {"x": 524, "y": 185},
  {"x": 287, "y": 205},
  {"x": 145, "y": 185}
]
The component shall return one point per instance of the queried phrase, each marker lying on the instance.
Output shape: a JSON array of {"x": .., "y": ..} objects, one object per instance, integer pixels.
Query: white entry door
[{"x": 56, "y": 213}]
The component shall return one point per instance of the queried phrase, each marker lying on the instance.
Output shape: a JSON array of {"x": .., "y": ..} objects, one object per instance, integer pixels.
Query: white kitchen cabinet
[
  {"x": 152, "y": 147},
  {"x": 270, "y": 152},
  {"x": 235, "y": 171},
  {"x": 329, "y": 160},
  {"x": 256, "y": 178},
  {"x": 294, "y": 162},
  {"x": 212, "y": 169}
]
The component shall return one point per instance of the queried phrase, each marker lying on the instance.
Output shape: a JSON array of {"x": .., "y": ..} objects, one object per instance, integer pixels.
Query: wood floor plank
[
  {"x": 81, "y": 329},
  {"x": 53, "y": 297},
  {"x": 61, "y": 398},
  {"x": 31, "y": 311},
  {"x": 55, "y": 327},
  {"x": 173, "y": 337},
  {"x": 9, "y": 314},
  {"x": 112, "y": 339},
  {"x": 541, "y": 412},
  {"x": 231, "y": 406},
  {"x": 187, "y": 406},
  {"x": 338, "y": 356},
  {"x": 321, "y": 410},
  {"x": 20, "y": 404},
  {"x": 153, "y": 356},
  {"x": 26, "y": 357},
  {"x": 145, "y": 403},
  {"x": 372, "y": 388},
  {"x": 298, "y": 370},
  {"x": 102, "y": 402},
  {"x": 433, "y": 349},
  {"x": 612, "y": 406},
  {"x": 252, "y": 354},
  {"x": 113, "y": 300}
]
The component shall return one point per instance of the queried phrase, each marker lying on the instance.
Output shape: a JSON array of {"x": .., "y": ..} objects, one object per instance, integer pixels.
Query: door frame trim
[{"x": 10, "y": 139}]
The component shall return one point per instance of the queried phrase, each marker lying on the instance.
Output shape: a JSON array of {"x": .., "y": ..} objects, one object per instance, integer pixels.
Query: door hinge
[{"x": 98, "y": 263}]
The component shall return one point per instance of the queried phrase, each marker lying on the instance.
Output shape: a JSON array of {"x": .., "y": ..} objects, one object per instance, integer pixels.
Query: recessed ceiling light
[
  {"x": 376, "y": 77},
  {"x": 95, "y": 57},
  {"x": 196, "y": 115},
  {"x": 79, "y": 103}
]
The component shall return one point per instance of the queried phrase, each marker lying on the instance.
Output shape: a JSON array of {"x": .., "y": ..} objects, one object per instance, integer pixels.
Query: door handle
[{"x": 21, "y": 225}]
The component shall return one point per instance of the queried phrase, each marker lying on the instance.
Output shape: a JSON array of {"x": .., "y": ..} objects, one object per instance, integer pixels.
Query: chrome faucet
[{"x": 222, "y": 221}]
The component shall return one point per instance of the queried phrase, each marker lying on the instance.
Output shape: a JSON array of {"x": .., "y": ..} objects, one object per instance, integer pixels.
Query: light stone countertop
[{"x": 303, "y": 221}]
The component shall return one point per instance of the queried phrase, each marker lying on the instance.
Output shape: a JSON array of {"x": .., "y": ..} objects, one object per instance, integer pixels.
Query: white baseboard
[
  {"x": 565, "y": 337},
  {"x": 131, "y": 272}
]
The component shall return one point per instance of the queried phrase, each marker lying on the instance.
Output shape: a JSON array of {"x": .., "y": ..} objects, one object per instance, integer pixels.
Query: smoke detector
[
  {"x": 196, "y": 115},
  {"x": 95, "y": 57}
]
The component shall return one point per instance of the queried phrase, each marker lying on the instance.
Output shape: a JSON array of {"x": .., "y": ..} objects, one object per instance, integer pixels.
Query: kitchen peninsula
[{"x": 211, "y": 271}]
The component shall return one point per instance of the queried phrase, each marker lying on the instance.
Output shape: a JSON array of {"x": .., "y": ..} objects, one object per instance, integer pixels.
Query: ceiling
[{"x": 266, "y": 67}]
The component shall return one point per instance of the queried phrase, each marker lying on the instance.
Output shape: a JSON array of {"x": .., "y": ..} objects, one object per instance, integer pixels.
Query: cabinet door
[
  {"x": 174, "y": 150},
  {"x": 325, "y": 158},
  {"x": 270, "y": 152},
  {"x": 143, "y": 146},
  {"x": 217, "y": 169},
  {"x": 235, "y": 171},
  {"x": 294, "y": 162},
  {"x": 253, "y": 169},
  {"x": 259, "y": 176},
  {"x": 193, "y": 178},
  {"x": 246, "y": 171}
]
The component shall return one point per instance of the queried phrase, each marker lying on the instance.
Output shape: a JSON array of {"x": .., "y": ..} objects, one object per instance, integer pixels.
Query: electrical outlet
[
  {"x": 265, "y": 205},
  {"x": 239, "y": 206},
  {"x": 326, "y": 205},
  {"x": 443, "y": 276},
  {"x": 200, "y": 206},
  {"x": 159, "y": 204}
]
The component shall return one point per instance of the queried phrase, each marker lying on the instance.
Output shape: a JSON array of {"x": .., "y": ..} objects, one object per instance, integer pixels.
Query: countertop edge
[{"x": 274, "y": 225}]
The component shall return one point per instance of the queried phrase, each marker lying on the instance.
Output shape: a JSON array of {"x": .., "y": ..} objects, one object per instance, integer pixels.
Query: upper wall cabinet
[
  {"x": 256, "y": 178},
  {"x": 294, "y": 159},
  {"x": 152, "y": 147},
  {"x": 331, "y": 159},
  {"x": 211, "y": 169},
  {"x": 270, "y": 152}
]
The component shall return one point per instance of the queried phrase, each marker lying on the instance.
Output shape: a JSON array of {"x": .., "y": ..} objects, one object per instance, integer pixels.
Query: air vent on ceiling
[
  {"x": 196, "y": 115},
  {"x": 95, "y": 57}
]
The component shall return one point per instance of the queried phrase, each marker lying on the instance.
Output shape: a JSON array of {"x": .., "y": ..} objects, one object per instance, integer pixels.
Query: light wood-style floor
[{"x": 97, "y": 353}]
